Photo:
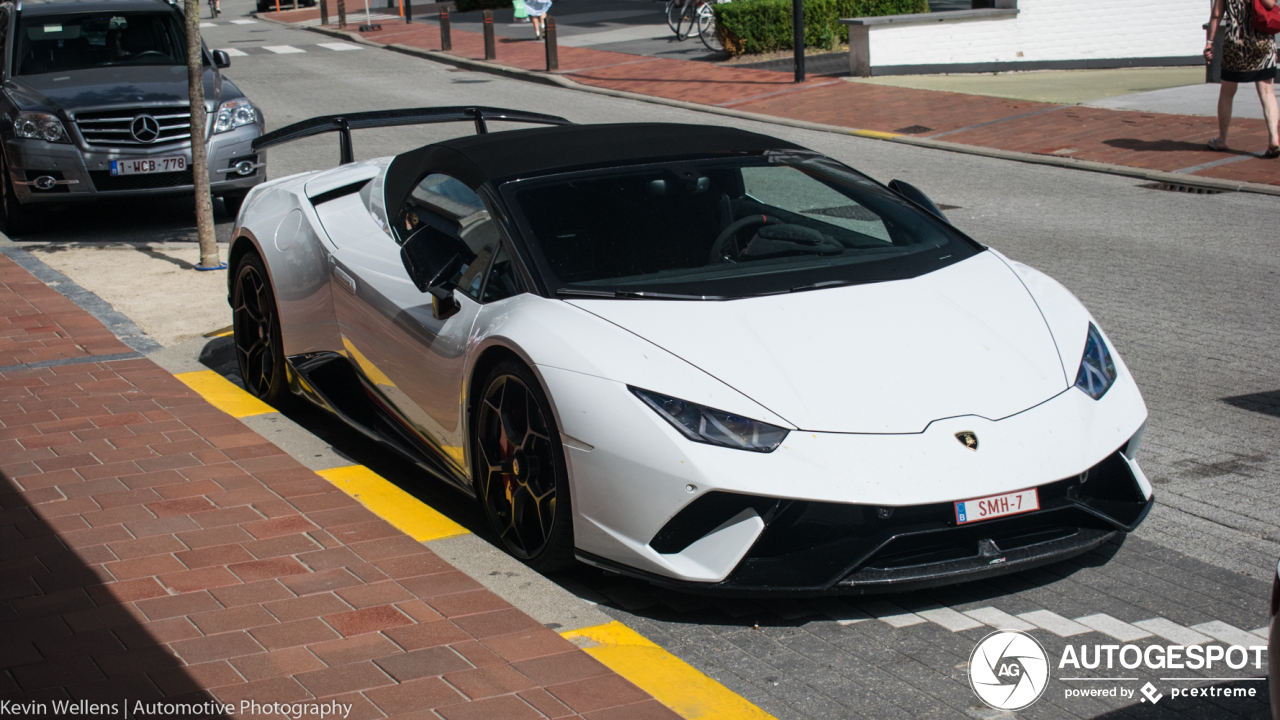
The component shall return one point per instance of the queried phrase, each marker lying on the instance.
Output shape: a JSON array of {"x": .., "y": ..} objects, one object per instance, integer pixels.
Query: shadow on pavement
[
  {"x": 1267, "y": 403},
  {"x": 65, "y": 634},
  {"x": 161, "y": 218}
]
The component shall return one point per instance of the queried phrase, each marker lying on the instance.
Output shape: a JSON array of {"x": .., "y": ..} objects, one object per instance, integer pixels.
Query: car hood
[
  {"x": 110, "y": 86},
  {"x": 888, "y": 357}
]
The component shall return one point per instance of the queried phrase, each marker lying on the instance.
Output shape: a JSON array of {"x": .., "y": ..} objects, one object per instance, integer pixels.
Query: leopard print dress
[{"x": 1247, "y": 55}]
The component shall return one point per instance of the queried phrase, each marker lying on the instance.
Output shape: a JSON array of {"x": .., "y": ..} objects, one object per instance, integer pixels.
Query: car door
[{"x": 415, "y": 360}]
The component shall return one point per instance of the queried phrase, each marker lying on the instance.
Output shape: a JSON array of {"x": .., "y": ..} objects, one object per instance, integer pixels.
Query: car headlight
[
  {"x": 714, "y": 427},
  {"x": 233, "y": 114},
  {"x": 1097, "y": 370},
  {"x": 40, "y": 126}
]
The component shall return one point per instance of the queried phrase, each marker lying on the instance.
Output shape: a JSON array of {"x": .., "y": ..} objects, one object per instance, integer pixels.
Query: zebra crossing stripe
[
  {"x": 887, "y": 612},
  {"x": 957, "y": 621},
  {"x": 244, "y": 22},
  {"x": 232, "y": 52},
  {"x": 1223, "y": 632},
  {"x": 1054, "y": 623},
  {"x": 842, "y": 612},
  {"x": 999, "y": 619},
  {"x": 1172, "y": 631},
  {"x": 949, "y": 619},
  {"x": 283, "y": 49},
  {"x": 339, "y": 46},
  {"x": 205, "y": 25},
  {"x": 1118, "y": 629}
]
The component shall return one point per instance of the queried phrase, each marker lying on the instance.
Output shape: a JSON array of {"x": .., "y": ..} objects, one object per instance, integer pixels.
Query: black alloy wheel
[
  {"x": 17, "y": 219},
  {"x": 520, "y": 471},
  {"x": 259, "y": 350}
]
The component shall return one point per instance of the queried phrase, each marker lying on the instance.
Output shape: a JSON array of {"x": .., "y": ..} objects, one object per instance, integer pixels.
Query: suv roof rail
[{"x": 344, "y": 124}]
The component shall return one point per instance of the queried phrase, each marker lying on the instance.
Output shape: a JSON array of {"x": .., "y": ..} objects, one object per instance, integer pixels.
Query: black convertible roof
[
  {"x": 477, "y": 159},
  {"x": 532, "y": 151}
]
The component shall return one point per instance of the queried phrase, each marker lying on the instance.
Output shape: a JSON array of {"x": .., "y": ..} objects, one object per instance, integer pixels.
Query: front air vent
[{"x": 135, "y": 127}]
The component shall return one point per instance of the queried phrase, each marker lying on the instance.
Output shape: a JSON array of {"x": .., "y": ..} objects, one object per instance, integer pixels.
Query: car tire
[
  {"x": 256, "y": 332},
  {"x": 232, "y": 202},
  {"x": 18, "y": 220},
  {"x": 519, "y": 469}
]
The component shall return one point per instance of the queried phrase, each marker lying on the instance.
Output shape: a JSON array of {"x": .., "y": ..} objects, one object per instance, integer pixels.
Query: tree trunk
[{"x": 209, "y": 259}]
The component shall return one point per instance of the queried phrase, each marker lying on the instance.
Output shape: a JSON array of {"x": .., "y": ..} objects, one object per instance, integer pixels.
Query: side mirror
[
  {"x": 221, "y": 59},
  {"x": 915, "y": 196},
  {"x": 432, "y": 258},
  {"x": 443, "y": 304}
]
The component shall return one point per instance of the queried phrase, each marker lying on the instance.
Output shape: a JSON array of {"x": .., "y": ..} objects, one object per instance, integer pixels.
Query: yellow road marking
[
  {"x": 407, "y": 513},
  {"x": 670, "y": 680},
  {"x": 875, "y": 134},
  {"x": 221, "y": 332},
  {"x": 223, "y": 394}
]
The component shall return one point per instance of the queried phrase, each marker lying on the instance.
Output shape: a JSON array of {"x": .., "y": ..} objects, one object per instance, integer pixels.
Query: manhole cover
[{"x": 913, "y": 130}]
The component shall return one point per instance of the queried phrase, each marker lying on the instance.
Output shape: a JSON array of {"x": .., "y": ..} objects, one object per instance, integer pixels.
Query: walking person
[
  {"x": 537, "y": 11},
  {"x": 1247, "y": 56}
]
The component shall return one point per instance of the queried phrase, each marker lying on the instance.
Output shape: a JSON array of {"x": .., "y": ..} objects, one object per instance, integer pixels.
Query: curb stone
[{"x": 560, "y": 81}]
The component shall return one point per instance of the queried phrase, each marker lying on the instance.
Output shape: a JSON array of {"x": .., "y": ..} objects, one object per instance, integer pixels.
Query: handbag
[
  {"x": 522, "y": 11},
  {"x": 1266, "y": 21}
]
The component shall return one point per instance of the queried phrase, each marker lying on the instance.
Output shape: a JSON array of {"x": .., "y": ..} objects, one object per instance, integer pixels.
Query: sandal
[
  {"x": 1217, "y": 145},
  {"x": 1272, "y": 152}
]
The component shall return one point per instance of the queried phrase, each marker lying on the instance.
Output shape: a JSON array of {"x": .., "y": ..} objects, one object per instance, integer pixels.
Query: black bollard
[
  {"x": 324, "y": 12},
  {"x": 549, "y": 34},
  {"x": 408, "y": 11},
  {"x": 490, "y": 52},
  {"x": 342, "y": 15},
  {"x": 446, "y": 42}
]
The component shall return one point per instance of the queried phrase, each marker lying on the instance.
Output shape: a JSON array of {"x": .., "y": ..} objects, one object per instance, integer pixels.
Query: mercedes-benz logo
[{"x": 145, "y": 129}]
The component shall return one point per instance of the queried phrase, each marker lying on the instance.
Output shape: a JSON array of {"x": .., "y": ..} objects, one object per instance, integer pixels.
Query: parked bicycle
[{"x": 687, "y": 16}]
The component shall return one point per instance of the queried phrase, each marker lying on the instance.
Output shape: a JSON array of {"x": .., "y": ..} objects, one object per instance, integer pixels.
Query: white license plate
[
  {"x": 148, "y": 165},
  {"x": 995, "y": 506}
]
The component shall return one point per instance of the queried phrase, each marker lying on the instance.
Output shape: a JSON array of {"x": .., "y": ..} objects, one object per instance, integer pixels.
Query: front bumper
[
  {"x": 89, "y": 169},
  {"x": 809, "y": 548},
  {"x": 631, "y": 473}
]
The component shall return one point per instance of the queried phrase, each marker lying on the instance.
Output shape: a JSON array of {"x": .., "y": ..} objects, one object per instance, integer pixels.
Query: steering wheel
[
  {"x": 145, "y": 53},
  {"x": 717, "y": 247}
]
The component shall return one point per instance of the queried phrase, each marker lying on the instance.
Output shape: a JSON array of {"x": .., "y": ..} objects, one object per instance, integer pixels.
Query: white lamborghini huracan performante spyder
[{"x": 697, "y": 355}]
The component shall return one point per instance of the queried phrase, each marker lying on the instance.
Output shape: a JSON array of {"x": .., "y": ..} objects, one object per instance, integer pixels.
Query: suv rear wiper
[{"x": 634, "y": 294}]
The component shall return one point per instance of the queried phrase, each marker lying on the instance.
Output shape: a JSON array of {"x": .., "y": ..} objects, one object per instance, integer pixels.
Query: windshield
[
  {"x": 728, "y": 228},
  {"x": 58, "y": 43}
]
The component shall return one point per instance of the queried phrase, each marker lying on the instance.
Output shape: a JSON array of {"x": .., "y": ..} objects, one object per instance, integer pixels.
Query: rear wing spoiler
[{"x": 344, "y": 124}]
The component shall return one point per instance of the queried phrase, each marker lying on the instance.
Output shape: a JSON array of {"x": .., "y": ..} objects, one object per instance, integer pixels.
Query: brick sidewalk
[
  {"x": 153, "y": 547},
  {"x": 1142, "y": 140}
]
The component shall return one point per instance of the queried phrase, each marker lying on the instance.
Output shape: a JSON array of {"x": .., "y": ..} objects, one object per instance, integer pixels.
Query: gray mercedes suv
[{"x": 94, "y": 105}]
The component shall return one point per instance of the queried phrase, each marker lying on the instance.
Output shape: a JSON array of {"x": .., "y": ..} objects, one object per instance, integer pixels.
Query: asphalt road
[{"x": 1186, "y": 287}]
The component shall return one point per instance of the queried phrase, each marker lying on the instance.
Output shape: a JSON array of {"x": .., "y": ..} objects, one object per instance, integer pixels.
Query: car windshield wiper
[
  {"x": 837, "y": 283},
  {"x": 634, "y": 294}
]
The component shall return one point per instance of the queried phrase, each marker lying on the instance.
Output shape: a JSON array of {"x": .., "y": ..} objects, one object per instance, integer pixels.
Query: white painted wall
[{"x": 1051, "y": 30}]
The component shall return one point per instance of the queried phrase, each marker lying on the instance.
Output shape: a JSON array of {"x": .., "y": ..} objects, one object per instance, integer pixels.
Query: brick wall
[{"x": 1051, "y": 30}]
